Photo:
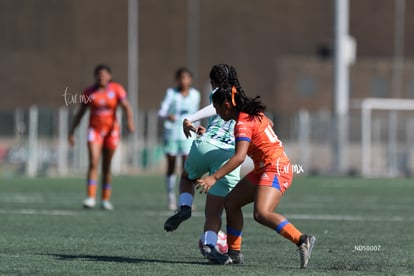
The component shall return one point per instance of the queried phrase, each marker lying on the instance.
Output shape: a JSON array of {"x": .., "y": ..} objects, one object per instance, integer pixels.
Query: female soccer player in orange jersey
[
  {"x": 265, "y": 185},
  {"x": 102, "y": 99}
]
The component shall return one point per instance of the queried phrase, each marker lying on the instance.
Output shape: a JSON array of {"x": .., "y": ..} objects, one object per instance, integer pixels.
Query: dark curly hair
[
  {"x": 181, "y": 71},
  {"x": 100, "y": 67},
  {"x": 229, "y": 89}
]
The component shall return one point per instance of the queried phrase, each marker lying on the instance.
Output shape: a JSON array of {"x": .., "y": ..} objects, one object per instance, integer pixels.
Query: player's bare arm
[
  {"x": 128, "y": 111},
  {"x": 78, "y": 117}
]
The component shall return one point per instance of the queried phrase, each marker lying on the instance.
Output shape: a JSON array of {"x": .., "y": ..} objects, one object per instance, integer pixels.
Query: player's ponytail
[
  {"x": 229, "y": 89},
  {"x": 239, "y": 101}
]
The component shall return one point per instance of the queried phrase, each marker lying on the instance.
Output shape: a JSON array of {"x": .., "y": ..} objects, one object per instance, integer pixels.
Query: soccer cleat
[
  {"x": 305, "y": 250},
  {"x": 203, "y": 250},
  {"x": 89, "y": 203},
  {"x": 107, "y": 205},
  {"x": 236, "y": 257},
  {"x": 174, "y": 221},
  {"x": 211, "y": 253}
]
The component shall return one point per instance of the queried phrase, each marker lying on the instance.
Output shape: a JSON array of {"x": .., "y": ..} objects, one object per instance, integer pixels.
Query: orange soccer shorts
[
  {"x": 277, "y": 177},
  {"x": 109, "y": 139}
]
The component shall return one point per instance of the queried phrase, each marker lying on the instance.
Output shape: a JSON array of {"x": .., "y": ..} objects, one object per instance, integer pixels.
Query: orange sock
[
  {"x": 106, "y": 191},
  {"x": 287, "y": 230},
  {"x": 91, "y": 188},
  {"x": 234, "y": 239}
]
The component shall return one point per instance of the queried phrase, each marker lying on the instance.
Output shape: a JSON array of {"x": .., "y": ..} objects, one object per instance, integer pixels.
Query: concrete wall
[{"x": 46, "y": 45}]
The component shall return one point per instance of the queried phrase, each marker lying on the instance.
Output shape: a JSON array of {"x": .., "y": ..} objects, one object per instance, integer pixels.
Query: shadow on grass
[{"x": 119, "y": 259}]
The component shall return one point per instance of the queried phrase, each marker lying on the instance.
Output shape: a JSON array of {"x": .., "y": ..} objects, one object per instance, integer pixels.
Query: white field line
[
  {"x": 39, "y": 212},
  {"x": 21, "y": 198},
  {"x": 326, "y": 217}
]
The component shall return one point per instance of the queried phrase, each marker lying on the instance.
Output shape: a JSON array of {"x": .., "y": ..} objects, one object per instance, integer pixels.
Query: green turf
[{"x": 43, "y": 230}]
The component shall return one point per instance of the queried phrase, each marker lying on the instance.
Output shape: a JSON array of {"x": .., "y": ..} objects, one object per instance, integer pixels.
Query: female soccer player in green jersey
[
  {"x": 178, "y": 103},
  {"x": 212, "y": 148}
]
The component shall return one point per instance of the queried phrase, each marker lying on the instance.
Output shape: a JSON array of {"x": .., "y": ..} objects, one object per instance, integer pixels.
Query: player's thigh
[
  {"x": 243, "y": 194},
  {"x": 196, "y": 164},
  {"x": 267, "y": 199},
  {"x": 107, "y": 154},
  {"x": 94, "y": 153},
  {"x": 112, "y": 139}
]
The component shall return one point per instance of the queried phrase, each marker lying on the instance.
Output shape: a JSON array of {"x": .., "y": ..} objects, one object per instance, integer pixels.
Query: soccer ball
[{"x": 221, "y": 245}]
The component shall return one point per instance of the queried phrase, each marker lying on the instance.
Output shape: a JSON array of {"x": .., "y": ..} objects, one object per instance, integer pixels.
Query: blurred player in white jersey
[{"x": 178, "y": 103}]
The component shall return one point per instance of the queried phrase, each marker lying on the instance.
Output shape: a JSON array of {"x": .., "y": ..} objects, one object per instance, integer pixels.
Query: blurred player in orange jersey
[
  {"x": 102, "y": 99},
  {"x": 265, "y": 185}
]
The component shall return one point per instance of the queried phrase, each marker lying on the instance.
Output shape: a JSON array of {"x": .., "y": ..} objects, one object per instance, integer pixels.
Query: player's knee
[
  {"x": 170, "y": 169},
  {"x": 106, "y": 168},
  {"x": 230, "y": 204},
  {"x": 93, "y": 165},
  {"x": 259, "y": 216}
]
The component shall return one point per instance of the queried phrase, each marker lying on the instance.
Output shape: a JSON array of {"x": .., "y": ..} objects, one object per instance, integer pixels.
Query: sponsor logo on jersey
[{"x": 264, "y": 176}]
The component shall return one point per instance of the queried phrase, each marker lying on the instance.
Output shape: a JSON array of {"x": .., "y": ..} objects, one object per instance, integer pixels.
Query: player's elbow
[{"x": 239, "y": 159}]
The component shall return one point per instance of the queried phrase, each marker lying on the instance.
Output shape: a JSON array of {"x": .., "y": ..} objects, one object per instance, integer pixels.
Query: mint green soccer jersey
[
  {"x": 180, "y": 106},
  {"x": 220, "y": 133}
]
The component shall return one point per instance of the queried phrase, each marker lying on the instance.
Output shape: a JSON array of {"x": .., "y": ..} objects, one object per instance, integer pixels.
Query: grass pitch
[{"x": 362, "y": 227}]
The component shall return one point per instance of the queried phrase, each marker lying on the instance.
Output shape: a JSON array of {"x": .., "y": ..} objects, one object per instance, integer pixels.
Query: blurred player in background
[
  {"x": 102, "y": 99},
  {"x": 208, "y": 153},
  {"x": 177, "y": 104},
  {"x": 265, "y": 185}
]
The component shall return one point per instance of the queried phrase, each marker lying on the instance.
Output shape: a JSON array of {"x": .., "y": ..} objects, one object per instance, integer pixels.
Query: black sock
[
  {"x": 301, "y": 239},
  {"x": 234, "y": 251}
]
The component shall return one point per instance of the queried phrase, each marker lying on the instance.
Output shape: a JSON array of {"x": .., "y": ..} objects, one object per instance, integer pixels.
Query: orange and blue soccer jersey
[
  {"x": 271, "y": 165},
  {"x": 103, "y": 126}
]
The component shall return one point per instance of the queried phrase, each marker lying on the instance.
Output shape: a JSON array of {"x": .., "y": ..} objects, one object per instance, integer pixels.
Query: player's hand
[
  {"x": 71, "y": 140},
  {"x": 201, "y": 130},
  {"x": 171, "y": 118},
  {"x": 188, "y": 127},
  {"x": 204, "y": 184}
]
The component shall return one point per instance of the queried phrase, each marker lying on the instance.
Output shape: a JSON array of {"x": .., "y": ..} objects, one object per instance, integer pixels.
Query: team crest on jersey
[{"x": 111, "y": 94}]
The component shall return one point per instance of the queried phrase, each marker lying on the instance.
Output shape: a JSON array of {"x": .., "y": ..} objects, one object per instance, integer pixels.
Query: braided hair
[{"x": 229, "y": 89}]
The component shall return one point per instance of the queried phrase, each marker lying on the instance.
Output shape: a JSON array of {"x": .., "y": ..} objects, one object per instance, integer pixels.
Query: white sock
[
  {"x": 209, "y": 238},
  {"x": 170, "y": 183},
  {"x": 185, "y": 199}
]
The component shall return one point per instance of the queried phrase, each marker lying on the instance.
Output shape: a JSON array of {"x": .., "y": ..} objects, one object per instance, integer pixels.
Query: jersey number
[{"x": 271, "y": 135}]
